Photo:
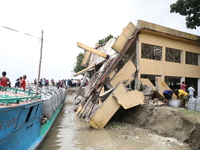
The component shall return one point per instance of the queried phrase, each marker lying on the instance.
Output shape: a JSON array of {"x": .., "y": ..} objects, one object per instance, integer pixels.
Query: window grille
[
  {"x": 151, "y": 52},
  {"x": 173, "y": 55},
  {"x": 192, "y": 58}
]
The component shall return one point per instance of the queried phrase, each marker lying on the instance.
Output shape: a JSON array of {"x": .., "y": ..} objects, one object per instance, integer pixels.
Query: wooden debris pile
[{"x": 113, "y": 80}]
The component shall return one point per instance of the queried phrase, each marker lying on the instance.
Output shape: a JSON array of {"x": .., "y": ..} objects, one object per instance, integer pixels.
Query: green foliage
[
  {"x": 190, "y": 9},
  {"x": 79, "y": 59},
  {"x": 106, "y": 39}
]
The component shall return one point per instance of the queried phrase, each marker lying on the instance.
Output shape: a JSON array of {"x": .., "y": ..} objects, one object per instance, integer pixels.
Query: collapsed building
[{"x": 136, "y": 68}]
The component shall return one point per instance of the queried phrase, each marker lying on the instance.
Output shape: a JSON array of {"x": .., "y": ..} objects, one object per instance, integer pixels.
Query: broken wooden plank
[
  {"x": 104, "y": 55},
  {"x": 84, "y": 70},
  {"x": 108, "y": 108},
  {"x": 130, "y": 99},
  {"x": 125, "y": 73},
  {"x": 79, "y": 109},
  {"x": 86, "y": 59},
  {"x": 161, "y": 86},
  {"x": 123, "y": 38}
]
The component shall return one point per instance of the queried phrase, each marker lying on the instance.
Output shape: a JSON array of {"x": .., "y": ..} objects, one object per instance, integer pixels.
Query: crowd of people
[
  {"x": 62, "y": 83},
  {"x": 21, "y": 82},
  {"x": 184, "y": 93}
]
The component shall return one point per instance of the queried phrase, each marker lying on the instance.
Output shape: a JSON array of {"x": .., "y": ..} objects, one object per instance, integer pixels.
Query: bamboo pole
[{"x": 40, "y": 62}]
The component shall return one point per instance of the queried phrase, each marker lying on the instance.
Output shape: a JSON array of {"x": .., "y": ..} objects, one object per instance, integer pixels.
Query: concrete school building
[
  {"x": 158, "y": 51},
  {"x": 170, "y": 54}
]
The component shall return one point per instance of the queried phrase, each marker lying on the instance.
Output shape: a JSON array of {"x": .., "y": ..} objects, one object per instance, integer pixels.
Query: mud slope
[{"x": 179, "y": 123}]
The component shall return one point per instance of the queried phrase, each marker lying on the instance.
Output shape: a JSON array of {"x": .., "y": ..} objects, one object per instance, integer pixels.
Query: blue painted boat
[{"x": 26, "y": 118}]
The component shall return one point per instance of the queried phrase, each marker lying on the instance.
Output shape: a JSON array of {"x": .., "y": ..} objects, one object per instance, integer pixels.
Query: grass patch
[
  {"x": 115, "y": 125},
  {"x": 178, "y": 129},
  {"x": 194, "y": 114}
]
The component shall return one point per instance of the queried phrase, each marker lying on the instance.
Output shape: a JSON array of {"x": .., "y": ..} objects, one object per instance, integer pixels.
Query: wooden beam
[
  {"x": 83, "y": 70},
  {"x": 86, "y": 59},
  {"x": 83, "y": 46}
]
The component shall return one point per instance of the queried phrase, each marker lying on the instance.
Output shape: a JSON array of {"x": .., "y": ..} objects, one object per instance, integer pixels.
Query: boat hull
[
  {"x": 20, "y": 125},
  {"x": 45, "y": 129}
]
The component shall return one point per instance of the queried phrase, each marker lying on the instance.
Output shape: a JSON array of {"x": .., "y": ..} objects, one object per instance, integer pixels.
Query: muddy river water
[{"x": 71, "y": 133}]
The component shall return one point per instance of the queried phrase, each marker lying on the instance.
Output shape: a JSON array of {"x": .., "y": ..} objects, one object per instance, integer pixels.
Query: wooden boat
[{"x": 27, "y": 117}]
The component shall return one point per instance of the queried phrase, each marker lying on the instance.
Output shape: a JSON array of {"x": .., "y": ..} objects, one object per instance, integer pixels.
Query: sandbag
[
  {"x": 198, "y": 104},
  {"x": 47, "y": 110},
  {"x": 175, "y": 103},
  {"x": 192, "y": 104}
]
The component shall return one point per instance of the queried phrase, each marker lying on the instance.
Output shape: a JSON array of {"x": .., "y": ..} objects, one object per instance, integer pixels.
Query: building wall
[{"x": 162, "y": 67}]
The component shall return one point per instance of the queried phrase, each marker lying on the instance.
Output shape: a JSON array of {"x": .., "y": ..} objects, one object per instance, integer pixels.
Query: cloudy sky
[{"x": 66, "y": 22}]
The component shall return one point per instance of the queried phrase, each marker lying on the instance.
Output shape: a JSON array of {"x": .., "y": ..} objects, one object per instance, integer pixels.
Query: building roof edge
[{"x": 154, "y": 27}]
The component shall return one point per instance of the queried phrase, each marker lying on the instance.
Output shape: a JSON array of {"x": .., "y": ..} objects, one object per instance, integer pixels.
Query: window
[
  {"x": 151, "y": 52},
  {"x": 173, "y": 55},
  {"x": 192, "y": 58}
]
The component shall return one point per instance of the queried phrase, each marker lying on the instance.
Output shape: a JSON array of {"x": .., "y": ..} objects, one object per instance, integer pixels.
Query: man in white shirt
[{"x": 191, "y": 90}]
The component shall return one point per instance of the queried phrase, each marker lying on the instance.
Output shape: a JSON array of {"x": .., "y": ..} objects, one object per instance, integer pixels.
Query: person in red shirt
[
  {"x": 183, "y": 86},
  {"x": 4, "y": 80},
  {"x": 23, "y": 82}
]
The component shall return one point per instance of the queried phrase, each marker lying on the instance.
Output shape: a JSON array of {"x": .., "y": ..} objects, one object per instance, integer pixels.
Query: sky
[{"x": 64, "y": 23}]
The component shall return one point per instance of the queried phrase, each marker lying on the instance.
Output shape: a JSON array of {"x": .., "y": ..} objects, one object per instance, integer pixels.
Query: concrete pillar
[
  {"x": 198, "y": 60},
  {"x": 183, "y": 56},
  {"x": 182, "y": 79},
  {"x": 162, "y": 77},
  {"x": 163, "y": 53},
  {"x": 138, "y": 59},
  {"x": 198, "y": 85}
]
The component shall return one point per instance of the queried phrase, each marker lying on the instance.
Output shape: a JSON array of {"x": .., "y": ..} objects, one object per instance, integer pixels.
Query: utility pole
[{"x": 40, "y": 62}]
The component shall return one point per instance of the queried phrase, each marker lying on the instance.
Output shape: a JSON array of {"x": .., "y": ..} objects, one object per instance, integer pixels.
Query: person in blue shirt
[{"x": 168, "y": 96}]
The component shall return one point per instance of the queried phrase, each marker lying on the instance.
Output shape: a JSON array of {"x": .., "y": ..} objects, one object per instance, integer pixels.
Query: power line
[{"x": 19, "y": 32}]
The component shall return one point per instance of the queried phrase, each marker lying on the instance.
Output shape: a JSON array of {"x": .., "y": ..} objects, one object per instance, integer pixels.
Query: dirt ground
[{"x": 179, "y": 123}]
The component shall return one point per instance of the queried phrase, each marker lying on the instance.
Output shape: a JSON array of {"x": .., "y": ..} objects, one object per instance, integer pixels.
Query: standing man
[
  {"x": 52, "y": 82},
  {"x": 23, "y": 82},
  {"x": 4, "y": 80},
  {"x": 191, "y": 90},
  {"x": 183, "y": 86},
  {"x": 35, "y": 82},
  {"x": 17, "y": 83}
]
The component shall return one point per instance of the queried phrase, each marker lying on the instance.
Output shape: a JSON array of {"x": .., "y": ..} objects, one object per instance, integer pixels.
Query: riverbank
[{"x": 179, "y": 123}]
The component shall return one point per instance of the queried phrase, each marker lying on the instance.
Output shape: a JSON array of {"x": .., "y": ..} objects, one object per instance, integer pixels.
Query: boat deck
[{"x": 12, "y": 99}]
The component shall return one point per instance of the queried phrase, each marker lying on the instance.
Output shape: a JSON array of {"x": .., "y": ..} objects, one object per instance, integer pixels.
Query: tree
[
  {"x": 106, "y": 39},
  {"x": 190, "y": 9},
  {"x": 79, "y": 59}
]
